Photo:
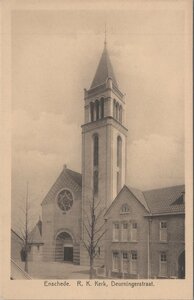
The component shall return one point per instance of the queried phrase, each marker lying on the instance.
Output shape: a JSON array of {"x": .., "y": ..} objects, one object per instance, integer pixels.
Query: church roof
[
  {"x": 76, "y": 176},
  {"x": 166, "y": 200},
  {"x": 104, "y": 70},
  {"x": 35, "y": 236},
  {"x": 139, "y": 196},
  {"x": 59, "y": 183}
]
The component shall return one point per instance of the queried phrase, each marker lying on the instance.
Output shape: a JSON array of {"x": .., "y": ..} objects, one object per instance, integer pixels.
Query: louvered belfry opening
[{"x": 64, "y": 247}]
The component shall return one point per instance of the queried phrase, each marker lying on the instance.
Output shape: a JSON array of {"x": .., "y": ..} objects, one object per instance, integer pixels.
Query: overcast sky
[{"x": 55, "y": 56}]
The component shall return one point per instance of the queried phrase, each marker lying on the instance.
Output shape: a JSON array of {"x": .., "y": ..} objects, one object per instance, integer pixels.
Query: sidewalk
[{"x": 56, "y": 270}]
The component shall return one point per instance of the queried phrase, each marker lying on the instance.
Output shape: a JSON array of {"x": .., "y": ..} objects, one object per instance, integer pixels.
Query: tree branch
[
  {"x": 87, "y": 230},
  {"x": 99, "y": 229},
  {"x": 95, "y": 245},
  {"x": 98, "y": 215},
  {"x": 87, "y": 248},
  {"x": 95, "y": 207},
  {"x": 87, "y": 218}
]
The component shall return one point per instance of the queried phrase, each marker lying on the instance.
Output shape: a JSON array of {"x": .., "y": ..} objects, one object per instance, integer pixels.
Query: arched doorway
[
  {"x": 181, "y": 265},
  {"x": 64, "y": 247}
]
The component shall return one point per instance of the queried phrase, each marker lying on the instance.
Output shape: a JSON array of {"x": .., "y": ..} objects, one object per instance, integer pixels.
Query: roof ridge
[
  {"x": 131, "y": 187},
  {"x": 73, "y": 178},
  {"x": 160, "y": 200},
  {"x": 52, "y": 186},
  {"x": 114, "y": 200},
  {"x": 164, "y": 188},
  {"x": 131, "y": 190},
  {"x": 74, "y": 171}
]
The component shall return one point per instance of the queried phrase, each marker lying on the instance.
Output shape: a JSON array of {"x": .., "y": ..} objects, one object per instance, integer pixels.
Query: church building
[
  {"x": 103, "y": 171},
  {"x": 139, "y": 234}
]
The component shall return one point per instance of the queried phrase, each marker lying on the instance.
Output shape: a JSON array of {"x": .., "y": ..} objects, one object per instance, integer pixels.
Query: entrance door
[
  {"x": 64, "y": 247},
  {"x": 68, "y": 254}
]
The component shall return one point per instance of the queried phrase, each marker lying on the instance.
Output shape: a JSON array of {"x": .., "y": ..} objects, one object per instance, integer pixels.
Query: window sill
[
  {"x": 163, "y": 242},
  {"x": 131, "y": 242},
  {"x": 124, "y": 272},
  {"x": 162, "y": 276}
]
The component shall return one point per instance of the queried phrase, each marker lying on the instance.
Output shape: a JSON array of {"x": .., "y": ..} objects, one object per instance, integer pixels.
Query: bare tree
[
  {"x": 24, "y": 228},
  {"x": 94, "y": 226}
]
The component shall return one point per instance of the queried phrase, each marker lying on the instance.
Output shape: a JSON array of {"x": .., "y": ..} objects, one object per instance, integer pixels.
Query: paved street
[{"x": 56, "y": 270}]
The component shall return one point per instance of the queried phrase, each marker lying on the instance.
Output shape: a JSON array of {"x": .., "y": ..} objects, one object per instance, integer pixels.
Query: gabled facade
[
  {"x": 126, "y": 239},
  {"x": 145, "y": 234},
  {"x": 61, "y": 218}
]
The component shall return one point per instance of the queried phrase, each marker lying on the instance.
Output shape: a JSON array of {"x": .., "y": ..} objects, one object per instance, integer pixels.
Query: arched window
[
  {"x": 97, "y": 109},
  {"x": 95, "y": 178},
  {"x": 119, "y": 163},
  {"x": 119, "y": 151},
  {"x": 114, "y": 109},
  {"x": 95, "y": 163},
  {"x": 102, "y": 107},
  {"x": 91, "y": 111},
  {"x": 117, "y": 111},
  {"x": 95, "y": 150},
  {"x": 120, "y": 114}
]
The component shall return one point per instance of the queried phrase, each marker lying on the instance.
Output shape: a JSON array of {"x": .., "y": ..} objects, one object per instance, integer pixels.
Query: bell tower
[{"x": 103, "y": 140}]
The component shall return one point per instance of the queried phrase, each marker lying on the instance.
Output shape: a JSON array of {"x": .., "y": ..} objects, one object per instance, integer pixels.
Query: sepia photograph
[{"x": 98, "y": 182}]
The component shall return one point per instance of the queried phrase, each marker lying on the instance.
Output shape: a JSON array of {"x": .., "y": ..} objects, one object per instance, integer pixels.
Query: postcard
[{"x": 97, "y": 149}]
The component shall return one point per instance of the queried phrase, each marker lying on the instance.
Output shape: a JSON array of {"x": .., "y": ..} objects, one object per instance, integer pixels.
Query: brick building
[
  {"x": 145, "y": 234},
  {"x": 134, "y": 219}
]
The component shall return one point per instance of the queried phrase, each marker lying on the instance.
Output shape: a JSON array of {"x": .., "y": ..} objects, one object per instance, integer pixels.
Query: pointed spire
[
  {"x": 105, "y": 42},
  {"x": 104, "y": 69}
]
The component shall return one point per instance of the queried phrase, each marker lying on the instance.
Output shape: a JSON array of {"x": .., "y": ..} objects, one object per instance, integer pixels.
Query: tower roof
[{"x": 104, "y": 70}]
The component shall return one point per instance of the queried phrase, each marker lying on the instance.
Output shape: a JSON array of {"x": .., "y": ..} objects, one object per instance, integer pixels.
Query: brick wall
[
  {"x": 148, "y": 258},
  {"x": 56, "y": 221},
  {"x": 173, "y": 247},
  {"x": 136, "y": 214}
]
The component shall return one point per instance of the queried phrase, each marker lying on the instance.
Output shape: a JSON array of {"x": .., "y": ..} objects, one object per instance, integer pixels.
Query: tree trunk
[
  {"x": 91, "y": 267},
  {"x": 26, "y": 262}
]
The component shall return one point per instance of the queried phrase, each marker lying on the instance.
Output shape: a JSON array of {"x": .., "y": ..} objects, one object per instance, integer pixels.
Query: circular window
[{"x": 65, "y": 200}]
